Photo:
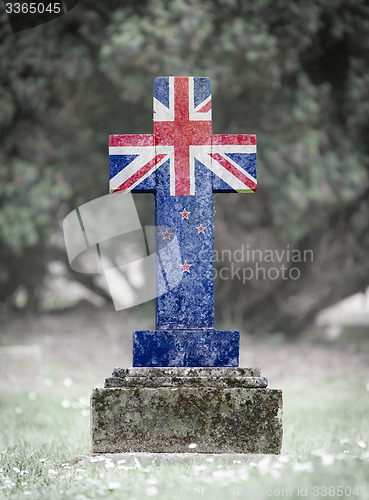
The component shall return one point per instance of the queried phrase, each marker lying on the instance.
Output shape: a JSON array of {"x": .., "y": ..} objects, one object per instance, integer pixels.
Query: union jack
[{"x": 182, "y": 135}]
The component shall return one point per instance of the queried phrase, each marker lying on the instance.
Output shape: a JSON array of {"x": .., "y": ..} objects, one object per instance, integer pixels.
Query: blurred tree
[{"x": 296, "y": 74}]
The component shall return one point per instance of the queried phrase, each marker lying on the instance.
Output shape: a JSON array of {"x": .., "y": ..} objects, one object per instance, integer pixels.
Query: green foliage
[
  {"x": 31, "y": 198},
  {"x": 294, "y": 73}
]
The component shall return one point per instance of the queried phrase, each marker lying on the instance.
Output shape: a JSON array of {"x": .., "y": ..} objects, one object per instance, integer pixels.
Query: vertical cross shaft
[
  {"x": 191, "y": 303},
  {"x": 190, "y": 218}
]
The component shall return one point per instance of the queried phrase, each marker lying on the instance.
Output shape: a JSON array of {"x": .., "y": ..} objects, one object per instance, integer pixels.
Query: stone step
[
  {"x": 190, "y": 381},
  {"x": 186, "y": 372}
]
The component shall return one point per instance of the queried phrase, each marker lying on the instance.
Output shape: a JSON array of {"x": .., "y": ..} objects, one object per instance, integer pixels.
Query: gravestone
[{"x": 185, "y": 387}]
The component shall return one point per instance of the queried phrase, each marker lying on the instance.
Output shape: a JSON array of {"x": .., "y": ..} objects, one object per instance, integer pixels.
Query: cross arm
[
  {"x": 233, "y": 163},
  {"x": 132, "y": 162}
]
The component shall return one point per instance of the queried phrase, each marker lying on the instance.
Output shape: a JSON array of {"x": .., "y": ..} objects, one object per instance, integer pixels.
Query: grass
[{"x": 325, "y": 451}]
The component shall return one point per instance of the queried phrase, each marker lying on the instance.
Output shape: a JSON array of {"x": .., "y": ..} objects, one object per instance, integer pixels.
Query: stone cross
[{"x": 183, "y": 163}]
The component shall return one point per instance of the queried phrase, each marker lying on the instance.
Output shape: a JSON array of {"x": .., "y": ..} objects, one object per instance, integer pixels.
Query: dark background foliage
[{"x": 294, "y": 73}]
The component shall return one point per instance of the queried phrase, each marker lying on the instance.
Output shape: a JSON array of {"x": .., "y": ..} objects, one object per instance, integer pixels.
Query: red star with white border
[
  {"x": 166, "y": 234},
  {"x": 185, "y": 267},
  {"x": 184, "y": 214},
  {"x": 201, "y": 229}
]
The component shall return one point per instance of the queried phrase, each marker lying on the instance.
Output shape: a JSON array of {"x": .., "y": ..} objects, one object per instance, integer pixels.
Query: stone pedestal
[
  {"x": 156, "y": 409},
  {"x": 191, "y": 347}
]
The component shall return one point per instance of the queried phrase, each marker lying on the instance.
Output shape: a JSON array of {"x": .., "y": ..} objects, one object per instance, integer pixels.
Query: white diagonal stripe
[
  {"x": 193, "y": 113},
  {"x": 161, "y": 112}
]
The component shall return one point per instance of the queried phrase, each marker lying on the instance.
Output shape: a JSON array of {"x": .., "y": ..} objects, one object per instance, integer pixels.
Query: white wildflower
[
  {"x": 340, "y": 456},
  {"x": 152, "y": 491},
  {"x": 114, "y": 485},
  {"x": 18, "y": 410},
  {"x": 243, "y": 474},
  {"x": 327, "y": 460},
  {"x": 264, "y": 464},
  {"x": 192, "y": 446},
  {"x": 318, "y": 453},
  {"x": 200, "y": 467},
  {"x": 83, "y": 401},
  {"x": 222, "y": 473},
  {"x": 303, "y": 467},
  {"x": 361, "y": 444},
  {"x": 275, "y": 473},
  {"x": 67, "y": 382}
]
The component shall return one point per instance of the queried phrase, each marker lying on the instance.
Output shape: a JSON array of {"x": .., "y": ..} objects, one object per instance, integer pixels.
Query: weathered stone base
[{"x": 220, "y": 412}]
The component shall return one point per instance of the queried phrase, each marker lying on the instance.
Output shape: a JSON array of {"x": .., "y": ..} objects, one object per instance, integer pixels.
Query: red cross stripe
[{"x": 182, "y": 133}]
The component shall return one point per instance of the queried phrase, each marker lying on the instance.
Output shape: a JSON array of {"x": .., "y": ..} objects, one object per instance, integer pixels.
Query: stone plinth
[
  {"x": 196, "y": 347},
  {"x": 164, "y": 410}
]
